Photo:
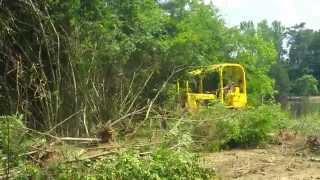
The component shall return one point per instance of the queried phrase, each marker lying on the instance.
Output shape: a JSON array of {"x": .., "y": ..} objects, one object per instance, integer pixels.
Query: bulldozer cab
[{"x": 225, "y": 83}]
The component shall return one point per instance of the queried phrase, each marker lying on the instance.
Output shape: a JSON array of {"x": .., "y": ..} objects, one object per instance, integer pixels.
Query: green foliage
[
  {"x": 171, "y": 96},
  {"x": 179, "y": 137},
  {"x": 200, "y": 36},
  {"x": 257, "y": 54},
  {"x": 305, "y": 86},
  {"x": 161, "y": 164},
  {"x": 87, "y": 53},
  {"x": 297, "y": 54},
  {"x": 12, "y": 134},
  {"x": 253, "y": 126},
  {"x": 282, "y": 82},
  {"x": 303, "y": 58},
  {"x": 30, "y": 171},
  {"x": 13, "y": 141},
  {"x": 223, "y": 128}
]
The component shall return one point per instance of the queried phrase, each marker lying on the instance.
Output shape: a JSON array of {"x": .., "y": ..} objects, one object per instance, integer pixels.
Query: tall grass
[{"x": 308, "y": 125}]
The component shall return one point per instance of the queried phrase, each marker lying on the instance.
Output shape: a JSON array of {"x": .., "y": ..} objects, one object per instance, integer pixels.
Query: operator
[{"x": 229, "y": 88}]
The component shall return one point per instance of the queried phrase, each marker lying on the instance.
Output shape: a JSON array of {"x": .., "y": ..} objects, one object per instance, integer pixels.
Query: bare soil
[{"x": 292, "y": 161}]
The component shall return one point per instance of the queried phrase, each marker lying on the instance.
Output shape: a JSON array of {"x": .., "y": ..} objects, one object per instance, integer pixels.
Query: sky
[{"x": 289, "y": 12}]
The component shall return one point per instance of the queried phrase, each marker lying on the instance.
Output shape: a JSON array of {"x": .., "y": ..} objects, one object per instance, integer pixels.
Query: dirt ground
[{"x": 292, "y": 162}]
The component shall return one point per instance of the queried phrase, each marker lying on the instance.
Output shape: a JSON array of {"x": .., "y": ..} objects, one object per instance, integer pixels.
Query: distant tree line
[{"x": 296, "y": 71}]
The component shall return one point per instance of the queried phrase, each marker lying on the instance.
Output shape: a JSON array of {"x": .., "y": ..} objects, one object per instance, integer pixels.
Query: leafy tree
[
  {"x": 299, "y": 54},
  {"x": 305, "y": 86},
  {"x": 248, "y": 28},
  {"x": 258, "y": 56},
  {"x": 199, "y": 38},
  {"x": 282, "y": 81},
  {"x": 93, "y": 58},
  {"x": 275, "y": 34},
  {"x": 303, "y": 57},
  {"x": 314, "y": 48}
]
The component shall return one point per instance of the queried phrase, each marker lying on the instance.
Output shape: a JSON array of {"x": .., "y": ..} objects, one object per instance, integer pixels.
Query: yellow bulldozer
[{"x": 225, "y": 83}]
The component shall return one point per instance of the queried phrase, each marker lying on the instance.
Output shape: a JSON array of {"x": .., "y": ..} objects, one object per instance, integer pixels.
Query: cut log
[{"x": 80, "y": 139}]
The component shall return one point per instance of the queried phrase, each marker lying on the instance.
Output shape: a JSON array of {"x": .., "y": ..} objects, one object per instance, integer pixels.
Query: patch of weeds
[
  {"x": 221, "y": 128},
  {"x": 161, "y": 164}
]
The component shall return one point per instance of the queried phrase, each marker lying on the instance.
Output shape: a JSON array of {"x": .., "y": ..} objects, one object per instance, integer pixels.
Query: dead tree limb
[
  {"x": 79, "y": 139},
  {"x": 60, "y": 123},
  {"x": 139, "y": 111}
]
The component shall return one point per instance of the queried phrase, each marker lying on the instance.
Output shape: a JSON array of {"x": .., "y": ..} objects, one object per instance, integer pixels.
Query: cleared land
[{"x": 291, "y": 161}]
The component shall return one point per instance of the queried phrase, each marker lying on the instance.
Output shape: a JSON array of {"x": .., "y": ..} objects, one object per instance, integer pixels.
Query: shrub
[
  {"x": 254, "y": 126},
  {"x": 227, "y": 128}
]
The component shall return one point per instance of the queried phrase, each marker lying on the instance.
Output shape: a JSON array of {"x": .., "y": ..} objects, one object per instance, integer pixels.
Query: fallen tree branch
[
  {"x": 63, "y": 138},
  {"x": 139, "y": 93},
  {"x": 42, "y": 133},
  {"x": 60, "y": 123},
  {"x": 128, "y": 115},
  {"x": 158, "y": 93},
  {"x": 79, "y": 139},
  {"x": 154, "y": 99}
]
